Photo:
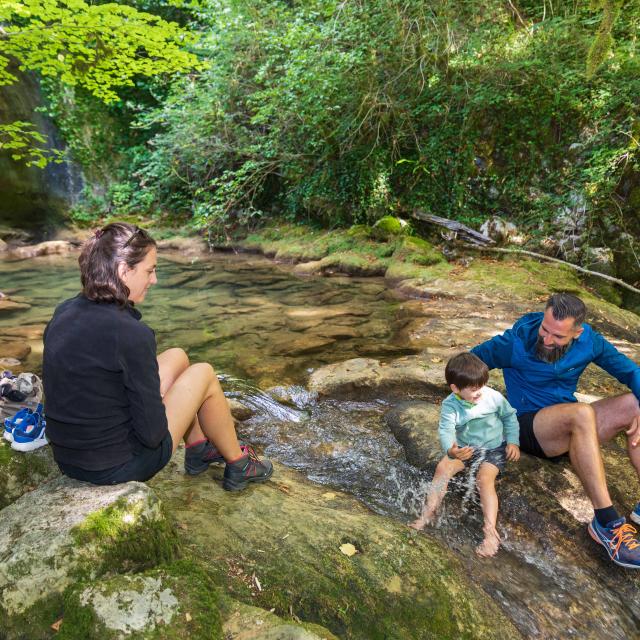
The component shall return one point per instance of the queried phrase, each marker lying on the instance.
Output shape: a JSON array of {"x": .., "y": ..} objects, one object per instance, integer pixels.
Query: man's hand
[
  {"x": 513, "y": 452},
  {"x": 634, "y": 432},
  {"x": 461, "y": 453}
]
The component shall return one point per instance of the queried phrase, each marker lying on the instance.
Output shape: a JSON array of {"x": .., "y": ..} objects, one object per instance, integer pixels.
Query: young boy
[{"x": 477, "y": 427}]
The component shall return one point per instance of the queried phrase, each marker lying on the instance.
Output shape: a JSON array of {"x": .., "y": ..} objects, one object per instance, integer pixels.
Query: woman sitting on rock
[{"x": 115, "y": 411}]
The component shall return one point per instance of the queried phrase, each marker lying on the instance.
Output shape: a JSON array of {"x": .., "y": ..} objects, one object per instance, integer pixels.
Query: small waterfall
[{"x": 34, "y": 199}]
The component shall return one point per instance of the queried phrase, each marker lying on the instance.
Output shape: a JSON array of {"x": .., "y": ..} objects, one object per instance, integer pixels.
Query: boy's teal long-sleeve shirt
[{"x": 486, "y": 424}]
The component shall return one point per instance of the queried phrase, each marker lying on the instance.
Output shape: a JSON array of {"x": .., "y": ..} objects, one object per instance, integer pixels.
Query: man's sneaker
[
  {"x": 30, "y": 435},
  {"x": 199, "y": 456},
  {"x": 635, "y": 514},
  {"x": 248, "y": 468},
  {"x": 619, "y": 540}
]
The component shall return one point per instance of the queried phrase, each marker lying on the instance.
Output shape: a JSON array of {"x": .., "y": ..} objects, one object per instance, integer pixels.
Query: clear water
[{"x": 264, "y": 330}]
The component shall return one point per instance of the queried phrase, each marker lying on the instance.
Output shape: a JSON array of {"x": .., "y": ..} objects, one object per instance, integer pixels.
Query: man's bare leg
[
  {"x": 621, "y": 413},
  {"x": 446, "y": 469},
  {"x": 572, "y": 427}
]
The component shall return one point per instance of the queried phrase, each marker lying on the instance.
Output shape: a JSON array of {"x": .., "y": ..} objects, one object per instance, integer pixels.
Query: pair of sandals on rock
[{"x": 20, "y": 388}]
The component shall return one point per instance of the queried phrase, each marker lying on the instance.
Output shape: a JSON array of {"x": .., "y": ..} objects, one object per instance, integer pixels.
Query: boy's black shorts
[
  {"x": 497, "y": 457},
  {"x": 528, "y": 441}
]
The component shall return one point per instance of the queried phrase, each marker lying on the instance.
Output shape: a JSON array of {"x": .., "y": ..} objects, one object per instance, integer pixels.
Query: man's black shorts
[{"x": 528, "y": 441}]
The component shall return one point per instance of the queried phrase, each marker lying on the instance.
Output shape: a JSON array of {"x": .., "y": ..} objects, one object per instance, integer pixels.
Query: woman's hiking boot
[
  {"x": 247, "y": 468},
  {"x": 199, "y": 455}
]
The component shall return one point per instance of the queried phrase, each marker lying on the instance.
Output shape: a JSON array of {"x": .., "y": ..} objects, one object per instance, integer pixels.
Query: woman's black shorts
[{"x": 144, "y": 465}]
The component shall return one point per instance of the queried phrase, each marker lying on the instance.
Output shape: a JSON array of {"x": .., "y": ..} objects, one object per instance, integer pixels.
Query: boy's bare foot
[
  {"x": 491, "y": 543},
  {"x": 422, "y": 521}
]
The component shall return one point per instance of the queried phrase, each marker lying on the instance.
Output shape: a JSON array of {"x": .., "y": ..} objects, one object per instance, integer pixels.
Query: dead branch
[
  {"x": 460, "y": 229},
  {"x": 541, "y": 256}
]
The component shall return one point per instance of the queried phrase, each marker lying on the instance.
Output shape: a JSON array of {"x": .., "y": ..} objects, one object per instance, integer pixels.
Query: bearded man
[{"x": 542, "y": 357}]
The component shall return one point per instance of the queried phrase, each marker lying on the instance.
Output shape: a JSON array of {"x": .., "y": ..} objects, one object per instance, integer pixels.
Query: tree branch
[{"x": 541, "y": 256}]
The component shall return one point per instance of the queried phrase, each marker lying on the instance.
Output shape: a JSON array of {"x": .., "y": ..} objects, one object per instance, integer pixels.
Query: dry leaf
[
  {"x": 187, "y": 617},
  {"x": 348, "y": 549},
  {"x": 283, "y": 488},
  {"x": 436, "y": 359},
  {"x": 56, "y": 625},
  {"x": 329, "y": 495}
]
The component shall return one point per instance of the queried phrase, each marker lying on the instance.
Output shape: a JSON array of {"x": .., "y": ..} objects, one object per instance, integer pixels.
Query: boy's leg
[
  {"x": 446, "y": 469},
  {"x": 486, "y": 482}
]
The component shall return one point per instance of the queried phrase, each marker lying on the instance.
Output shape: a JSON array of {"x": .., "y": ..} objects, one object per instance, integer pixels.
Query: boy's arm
[
  {"x": 511, "y": 426},
  {"x": 496, "y": 353},
  {"x": 447, "y": 427}
]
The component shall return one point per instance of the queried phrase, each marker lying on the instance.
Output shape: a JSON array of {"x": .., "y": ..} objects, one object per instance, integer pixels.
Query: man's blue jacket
[{"x": 533, "y": 384}]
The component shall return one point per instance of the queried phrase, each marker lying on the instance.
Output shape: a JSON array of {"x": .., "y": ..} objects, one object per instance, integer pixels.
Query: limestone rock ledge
[
  {"x": 364, "y": 377},
  {"x": 65, "y": 531}
]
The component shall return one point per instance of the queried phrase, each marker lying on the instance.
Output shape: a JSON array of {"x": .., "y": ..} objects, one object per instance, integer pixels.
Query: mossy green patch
[
  {"x": 128, "y": 538},
  {"x": 36, "y": 622},
  {"x": 417, "y": 251},
  {"x": 20, "y": 472},
  {"x": 390, "y": 226},
  {"x": 195, "y": 616}
]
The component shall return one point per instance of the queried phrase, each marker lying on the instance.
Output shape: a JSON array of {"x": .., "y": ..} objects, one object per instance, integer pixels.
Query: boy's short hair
[{"x": 466, "y": 370}]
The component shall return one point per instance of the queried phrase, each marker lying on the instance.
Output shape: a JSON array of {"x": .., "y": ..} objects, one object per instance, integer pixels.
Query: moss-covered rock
[
  {"x": 20, "y": 472},
  {"x": 320, "y": 555},
  {"x": 172, "y": 602},
  {"x": 418, "y": 251},
  {"x": 389, "y": 226},
  {"x": 67, "y": 530},
  {"x": 245, "y": 622}
]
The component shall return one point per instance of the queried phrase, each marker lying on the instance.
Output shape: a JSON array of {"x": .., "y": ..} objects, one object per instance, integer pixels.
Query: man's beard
[{"x": 550, "y": 355}]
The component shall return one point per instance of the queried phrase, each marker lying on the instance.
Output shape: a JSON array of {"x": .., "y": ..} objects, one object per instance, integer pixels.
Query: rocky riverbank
[{"x": 181, "y": 558}]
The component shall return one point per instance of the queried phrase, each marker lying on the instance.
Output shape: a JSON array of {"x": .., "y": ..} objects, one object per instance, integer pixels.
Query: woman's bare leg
[
  {"x": 171, "y": 364},
  {"x": 446, "y": 469},
  {"x": 486, "y": 482},
  {"x": 197, "y": 392}
]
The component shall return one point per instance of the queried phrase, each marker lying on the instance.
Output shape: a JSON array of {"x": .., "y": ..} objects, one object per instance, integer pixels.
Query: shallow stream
[{"x": 265, "y": 330}]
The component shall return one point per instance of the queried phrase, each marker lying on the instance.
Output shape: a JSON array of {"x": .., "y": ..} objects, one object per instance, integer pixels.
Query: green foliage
[
  {"x": 344, "y": 113},
  {"x": 27, "y": 144},
  {"x": 98, "y": 47}
]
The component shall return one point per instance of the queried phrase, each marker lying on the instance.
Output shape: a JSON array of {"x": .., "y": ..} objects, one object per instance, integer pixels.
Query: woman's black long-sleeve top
[{"x": 101, "y": 384}]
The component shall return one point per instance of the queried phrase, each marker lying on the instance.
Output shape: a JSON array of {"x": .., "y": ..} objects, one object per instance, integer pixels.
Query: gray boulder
[{"x": 65, "y": 531}]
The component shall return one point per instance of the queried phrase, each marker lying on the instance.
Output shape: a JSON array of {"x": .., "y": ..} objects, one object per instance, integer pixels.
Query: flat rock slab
[
  {"x": 49, "y": 248},
  {"x": 364, "y": 377},
  {"x": 14, "y": 349},
  {"x": 59, "y": 532},
  {"x": 317, "y": 553}
]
